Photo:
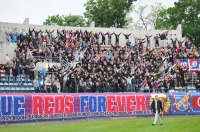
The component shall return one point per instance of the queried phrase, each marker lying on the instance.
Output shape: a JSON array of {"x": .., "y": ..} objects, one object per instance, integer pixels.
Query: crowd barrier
[{"x": 32, "y": 107}]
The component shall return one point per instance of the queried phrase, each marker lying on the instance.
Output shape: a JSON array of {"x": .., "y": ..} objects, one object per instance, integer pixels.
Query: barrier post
[
  {"x": 6, "y": 124},
  {"x": 37, "y": 118},
  {"x": 63, "y": 118}
]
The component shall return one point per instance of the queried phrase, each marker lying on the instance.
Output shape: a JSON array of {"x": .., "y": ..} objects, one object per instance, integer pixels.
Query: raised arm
[
  {"x": 52, "y": 31},
  {"x": 132, "y": 77}
]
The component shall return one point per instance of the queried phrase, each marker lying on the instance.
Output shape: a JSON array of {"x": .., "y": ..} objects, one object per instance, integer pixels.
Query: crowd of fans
[{"x": 92, "y": 67}]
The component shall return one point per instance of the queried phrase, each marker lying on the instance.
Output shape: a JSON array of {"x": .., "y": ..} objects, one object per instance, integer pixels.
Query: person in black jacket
[
  {"x": 20, "y": 71},
  {"x": 102, "y": 38},
  {"x": 7, "y": 72},
  {"x": 27, "y": 73},
  {"x": 116, "y": 38},
  {"x": 14, "y": 73},
  {"x": 198, "y": 86},
  {"x": 127, "y": 37},
  {"x": 157, "y": 107},
  {"x": 60, "y": 77}
]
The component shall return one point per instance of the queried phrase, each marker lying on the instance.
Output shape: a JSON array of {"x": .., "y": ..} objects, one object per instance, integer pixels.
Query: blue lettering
[
  {"x": 18, "y": 101},
  {"x": 92, "y": 104},
  {"x": 101, "y": 104},
  {"x": 6, "y": 105},
  {"x": 84, "y": 100}
]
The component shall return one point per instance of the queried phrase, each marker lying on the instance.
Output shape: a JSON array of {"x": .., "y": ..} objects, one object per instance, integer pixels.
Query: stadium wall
[
  {"x": 31, "y": 107},
  {"x": 10, "y": 27}
]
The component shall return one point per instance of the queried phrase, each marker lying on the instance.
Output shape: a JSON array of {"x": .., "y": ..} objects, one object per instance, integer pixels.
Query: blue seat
[
  {"x": 2, "y": 89},
  {"x": 28, "y": 89},
  {"x": 11, "y": 84},
  {"x": 18, "y": 89},
  {"x": 12, "y": 88},
  {"x": 5, "y": 84},
  {"x": 32, "y": 88},
  {"x": 8, "y": 89},
  {"x": 30, "y": 84},
  {"x": 23, "y": 89},
  {"x": 16, "y": 84}
]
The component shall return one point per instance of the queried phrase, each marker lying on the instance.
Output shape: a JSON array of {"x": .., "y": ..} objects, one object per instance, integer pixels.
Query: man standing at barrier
[
  {"x": 156, "y": 106},
  {"x": 43, "y": 73}
]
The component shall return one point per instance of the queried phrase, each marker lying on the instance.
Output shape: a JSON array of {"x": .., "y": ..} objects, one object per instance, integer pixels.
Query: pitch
[{"x": 170, "y": 124}]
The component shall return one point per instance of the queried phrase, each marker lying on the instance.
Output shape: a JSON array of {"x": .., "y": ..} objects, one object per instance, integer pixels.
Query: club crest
[{"x": 181, "y": 103}]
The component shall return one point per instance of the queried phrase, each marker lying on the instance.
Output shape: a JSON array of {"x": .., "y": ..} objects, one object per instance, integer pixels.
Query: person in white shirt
[
  {"x": 36, "y": 84},
  {"x": 129, "y": 85},
  {"x": 8, "y": 59},
  {"x": 73, "y": 64},
  {"x": 77, "y": 56},
  {"x": 57, "y": 86}
]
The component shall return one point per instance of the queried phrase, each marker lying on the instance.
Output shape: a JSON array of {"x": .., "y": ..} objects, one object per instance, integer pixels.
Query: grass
[{"x": 170, "y": 124}]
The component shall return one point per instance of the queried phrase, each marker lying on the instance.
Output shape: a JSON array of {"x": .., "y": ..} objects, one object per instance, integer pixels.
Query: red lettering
[
  {"x": 69, "y": 100},
  {"x": 196, "y": 102},
  {"x": 48, "y": 101},
  {"x": 37, "y": 104},
  {"x": 141, "y": 102},
  {"x": 130, "y": 103},
  {"x": 59, "y": 104},
  {"x": 110, "y": 104},
  {"x": 121, "y": 103}
]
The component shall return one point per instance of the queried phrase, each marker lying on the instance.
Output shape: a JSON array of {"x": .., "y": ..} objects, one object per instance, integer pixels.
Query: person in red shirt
[{"x": 44, "y": 39}]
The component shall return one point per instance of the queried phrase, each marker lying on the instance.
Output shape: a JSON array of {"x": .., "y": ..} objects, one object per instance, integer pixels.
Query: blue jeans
[
  {"x": 43, "y": 80},
  {"x": 112, "y": 89},
  {"x": 37, "y": 89},
  {"x": 105, "y": 89},
  {"x": 8, "y": 78},
  {"x": 109, "y": 41},
  {"x": 129, "y": 87},
  {"x": 136, "y": 81},
  {"x": 19, "y": 78},
  {"x": 14, "y": 79},
  {"x": 102, "y": 89},
  {"x": 198, "y": 89},
  {"x": 148, "y": 43},
  {"x": 83, "y": 45},
  {"x": 157, "y": 90},
  {"x": 26, "y": 79}
]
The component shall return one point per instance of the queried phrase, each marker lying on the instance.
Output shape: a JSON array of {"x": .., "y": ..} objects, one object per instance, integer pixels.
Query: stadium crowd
[{"x": 92, "y": 67}]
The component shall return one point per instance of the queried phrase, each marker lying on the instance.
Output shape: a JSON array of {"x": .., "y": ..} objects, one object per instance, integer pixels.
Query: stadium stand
[{"x": 77, "y": 61}]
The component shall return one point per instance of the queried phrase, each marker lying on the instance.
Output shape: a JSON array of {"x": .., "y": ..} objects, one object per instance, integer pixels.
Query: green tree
[
  {"x": 108, "y": 13},
  {"x": 54, "y": 20},
  {"x": 69, "y": 20},
  {"x": 147, "y": 19},
  {"x": 185, "y": 12}
]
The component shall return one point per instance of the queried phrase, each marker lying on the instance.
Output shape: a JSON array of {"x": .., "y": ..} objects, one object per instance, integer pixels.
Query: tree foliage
[
  {"x": 69, "y": 20},
  {"x": 147, "y": 19},
  {"x": 185, "y": 12},
  {"x": 108, "y": 13}
]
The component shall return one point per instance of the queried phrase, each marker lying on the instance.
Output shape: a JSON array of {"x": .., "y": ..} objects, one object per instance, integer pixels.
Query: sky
[{"x": 16, "y": 11}]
